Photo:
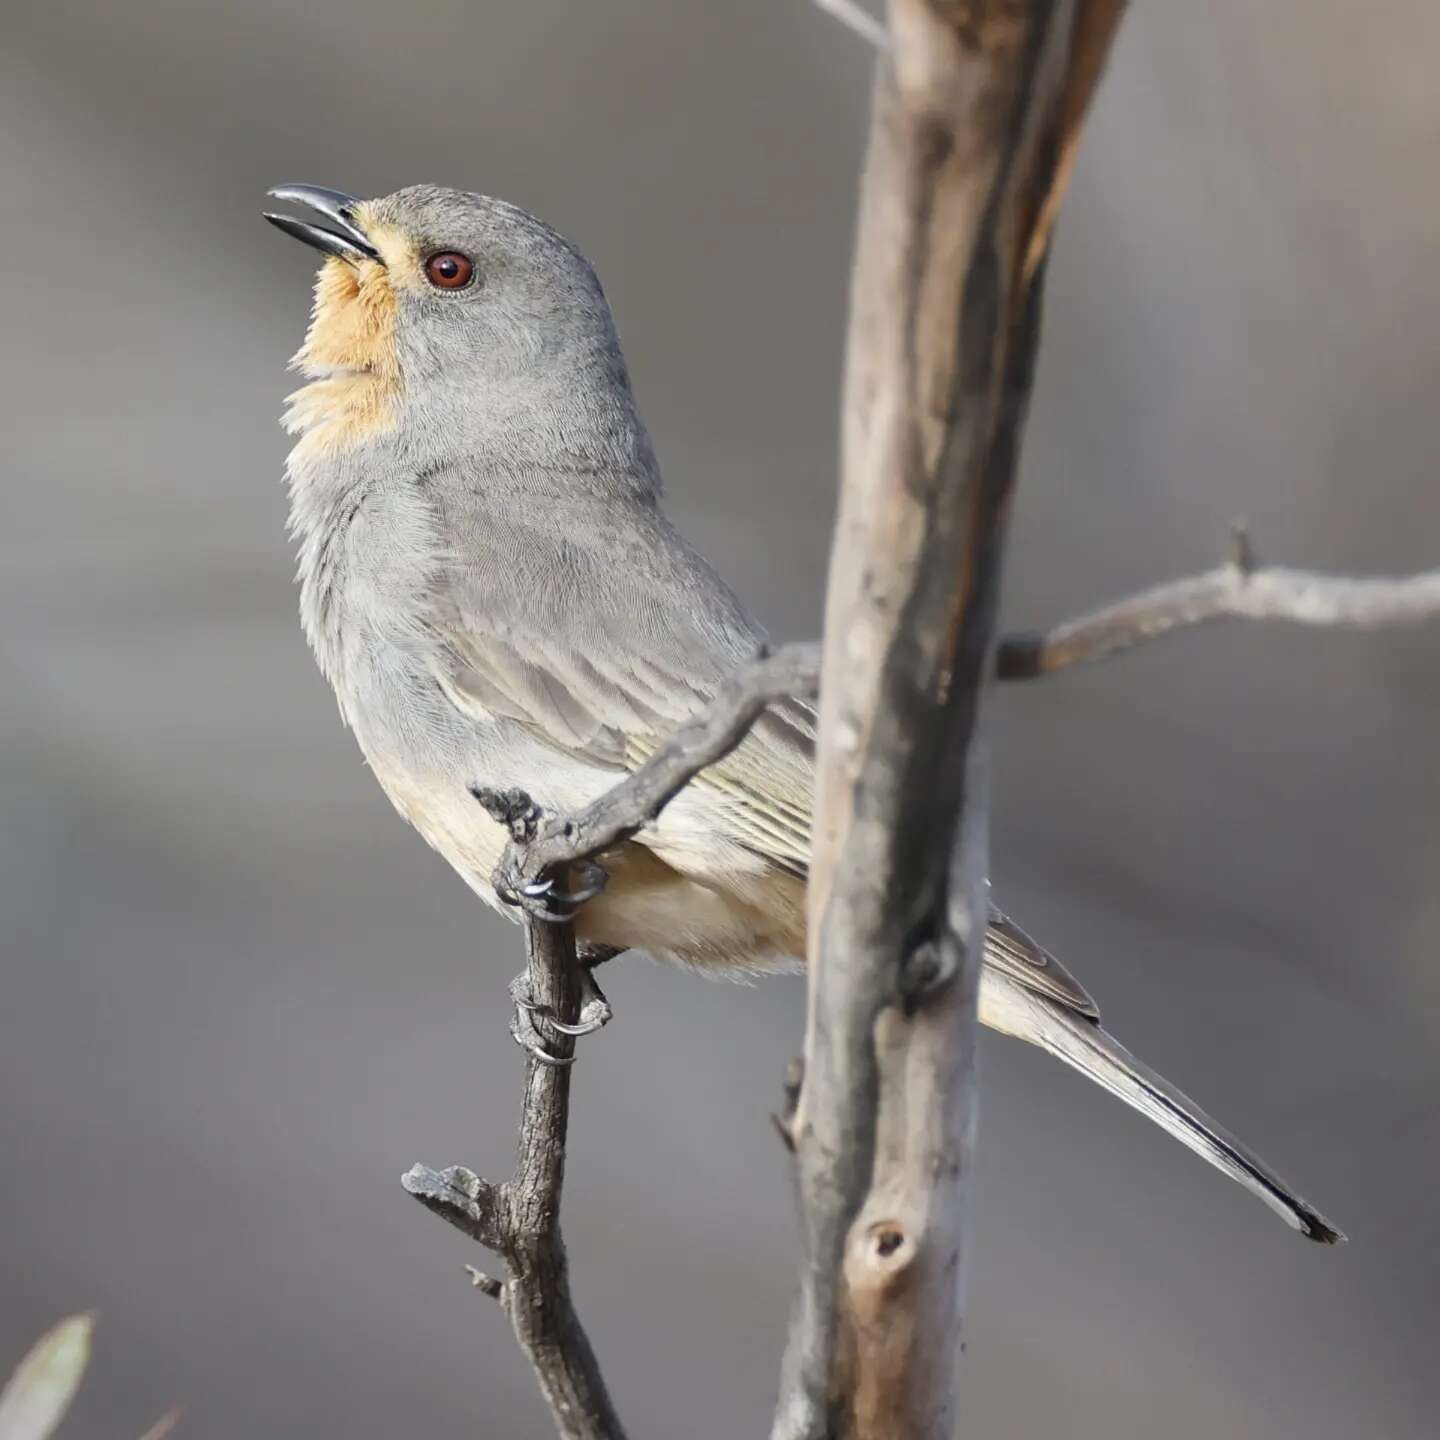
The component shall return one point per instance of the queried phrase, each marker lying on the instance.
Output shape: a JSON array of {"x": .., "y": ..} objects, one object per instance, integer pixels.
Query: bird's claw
[
  {"x": 531, "y": 1018},
  {"x": 544, "y": 901},
  {"x": 595, "y": 1012},
  {"x": 524, "y": 1033}
]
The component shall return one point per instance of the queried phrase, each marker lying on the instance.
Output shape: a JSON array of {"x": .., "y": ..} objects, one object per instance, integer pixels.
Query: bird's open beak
[{"x": 346, "y": 239}]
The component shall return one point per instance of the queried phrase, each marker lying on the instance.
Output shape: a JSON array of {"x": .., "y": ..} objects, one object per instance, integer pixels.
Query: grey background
[{"x": 238, "y": 997}]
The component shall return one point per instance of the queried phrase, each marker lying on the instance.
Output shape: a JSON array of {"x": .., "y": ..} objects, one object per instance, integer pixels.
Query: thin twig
[
  {"x": 520, "y": 1220},
  {"x": 856, "y": 18},
  {"x": 1238, "y": 590}
]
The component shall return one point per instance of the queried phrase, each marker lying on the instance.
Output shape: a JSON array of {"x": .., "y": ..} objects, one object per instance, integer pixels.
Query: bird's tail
[{"x": 1081, "y": 1043}]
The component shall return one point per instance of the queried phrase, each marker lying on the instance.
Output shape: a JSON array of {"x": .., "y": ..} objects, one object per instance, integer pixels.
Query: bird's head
[{"x": 447, "y": 320}]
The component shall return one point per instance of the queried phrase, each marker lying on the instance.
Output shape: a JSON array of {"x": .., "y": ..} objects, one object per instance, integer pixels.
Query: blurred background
[{"x": 239, "y": 997}]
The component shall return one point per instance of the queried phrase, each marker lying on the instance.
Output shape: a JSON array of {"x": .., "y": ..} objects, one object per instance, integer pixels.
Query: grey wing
[
  {"x": 601, "y": 636},
  {"x": 602, "y": 631}
]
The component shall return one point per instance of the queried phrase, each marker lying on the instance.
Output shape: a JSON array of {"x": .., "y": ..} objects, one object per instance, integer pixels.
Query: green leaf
[{"x": 42, "y": 1387}]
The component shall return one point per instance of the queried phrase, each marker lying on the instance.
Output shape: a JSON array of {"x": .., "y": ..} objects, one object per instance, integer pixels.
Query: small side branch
[
  {"x": 1239, "y": 590},
  {"x": 461, "y": 1197},
  {"x": 520, "y": 1220}
]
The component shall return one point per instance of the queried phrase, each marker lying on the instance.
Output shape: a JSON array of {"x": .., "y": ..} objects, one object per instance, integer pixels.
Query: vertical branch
[
  {"x": 972, "y": 127},
  {"x": 520, "y": 1220},
  {"x": 538, "y": 1291}
]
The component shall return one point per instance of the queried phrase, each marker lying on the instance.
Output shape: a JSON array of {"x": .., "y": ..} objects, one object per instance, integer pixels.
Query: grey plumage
[{"x": 491, "y": 586}]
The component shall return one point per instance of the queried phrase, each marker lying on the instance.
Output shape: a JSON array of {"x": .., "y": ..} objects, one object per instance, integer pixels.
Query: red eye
[{"x": 449, "y": 269}]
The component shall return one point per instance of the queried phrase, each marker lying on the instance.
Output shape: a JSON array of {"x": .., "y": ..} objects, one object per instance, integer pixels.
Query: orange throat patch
[{"x": 350, "y": 356}]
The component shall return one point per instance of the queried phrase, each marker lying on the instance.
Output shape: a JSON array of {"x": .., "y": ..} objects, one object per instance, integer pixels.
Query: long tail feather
[{"x": 1082, "y": 1044}]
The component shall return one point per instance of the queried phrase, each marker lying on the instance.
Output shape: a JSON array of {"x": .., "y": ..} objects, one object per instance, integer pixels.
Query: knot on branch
[
  {"x": 1020, "y": 656},
  {"x": 514, "y": 809},
  {"x": 793, "y": 1083},
  {"x": 927, "y": 968},
  {"x": 486, "y": 1284},
  {"x": 881, "y": 1256}
]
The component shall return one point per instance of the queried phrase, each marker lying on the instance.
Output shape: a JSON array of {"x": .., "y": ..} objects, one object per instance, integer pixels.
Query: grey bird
[{"x": 491, "y": 587}]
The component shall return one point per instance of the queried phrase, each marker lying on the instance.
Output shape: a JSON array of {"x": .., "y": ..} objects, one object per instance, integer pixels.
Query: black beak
[{"x": 338, "y": 208}]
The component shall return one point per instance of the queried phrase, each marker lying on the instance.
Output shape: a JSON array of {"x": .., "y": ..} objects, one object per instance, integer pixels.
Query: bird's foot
[
  {"x": 516, "y": 879},
  {"x": 532, "y": 1019},
  {"x": 545, "y": 900}
]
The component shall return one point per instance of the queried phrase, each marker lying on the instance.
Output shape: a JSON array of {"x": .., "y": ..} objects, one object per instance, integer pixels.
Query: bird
[{"x": 490, "y": 584}]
